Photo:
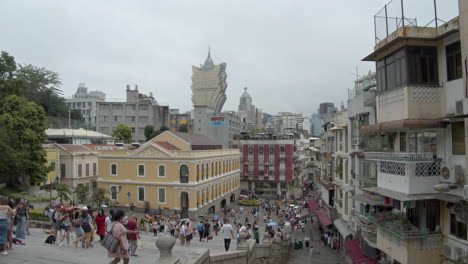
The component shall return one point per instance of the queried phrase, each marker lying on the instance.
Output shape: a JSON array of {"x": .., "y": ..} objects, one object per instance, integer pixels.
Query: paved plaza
[{"x": 36, "y": 251}]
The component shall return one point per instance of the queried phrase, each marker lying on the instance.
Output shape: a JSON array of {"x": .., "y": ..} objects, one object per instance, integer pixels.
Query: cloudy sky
[{"x": 292, "y": 55}]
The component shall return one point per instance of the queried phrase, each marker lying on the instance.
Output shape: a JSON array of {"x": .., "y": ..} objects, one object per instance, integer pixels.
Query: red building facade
[{"x": 267, "y": 163}]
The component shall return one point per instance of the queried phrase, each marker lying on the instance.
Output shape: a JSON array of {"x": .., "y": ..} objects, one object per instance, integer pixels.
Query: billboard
[{"x": 216, "y": 121}]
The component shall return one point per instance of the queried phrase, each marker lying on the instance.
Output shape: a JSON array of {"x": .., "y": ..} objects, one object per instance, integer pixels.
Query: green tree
[
  {"x": 75, "y": 114},
  {"x": 81, "y": 193},
  {"x": 9, "y": 85},
  {"x": 149, "y": 132},
  {"x": 63, "y": 192},
  {"x": 162, "y": 129},
  {"x": 25, "y": 122},
  {"x": 183, "y": 128},
  {"x": 100, "y": 196},
  {"x": 123, "y": 132}
]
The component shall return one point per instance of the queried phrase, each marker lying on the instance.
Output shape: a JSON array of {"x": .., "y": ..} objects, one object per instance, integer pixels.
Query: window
[
  {"x": 87, "y": 169},
  {"x": 141, "y": 194},
  {"x": 272, "y": 149},
  {"x": 162, "y": 195},
  {"x": 143, "y": 119},
  {"x": 62, "y": 170},
  {"x": 52, "y": 165},
  {"x": 422, "y": 142},
  {"x": 94, "y": 169},
  {"x": 458, "y": 138},
  {"x": 131, "y": 107},
  {"x": 116, "y": 118},
  {"x": 144, "y": 107},
  {"x": 402, "y": 141},
  {"x": 113, "y": 169},
  {"x": 113, "y": 190},
  {"x": 141, "y": 170},
  {"x": 80, "y": 170},
  {"x": 161, "y": 171},
  {"x": 250, "y": 149},
  {"x": 453, "y": 59},
  {"x": 184, "y": 174},
  {"x": 282, "y": 149},
  {"x": 457, "y": 226},
  {"x": 203, "y": 172},
  {"x": 260, "y": 149},
  {"x": 410, "y": 65},
  {"x": 133, "y": 130},
  {"x": 198, "y": 172},
  {"x": 116, "y": 107}
]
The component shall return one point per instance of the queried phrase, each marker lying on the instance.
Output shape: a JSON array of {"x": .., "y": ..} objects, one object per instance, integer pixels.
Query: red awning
[
  {"x": 312, "y": 205},
  {"x": 323, "y": 218},
  {"x": 353, "y": 250}
]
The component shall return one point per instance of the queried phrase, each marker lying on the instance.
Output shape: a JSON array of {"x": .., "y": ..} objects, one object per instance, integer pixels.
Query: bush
[
  {"x": 249, "y": 202},
  {"x": 36, "y": 214},
  {"x": 17, "y": 193}
]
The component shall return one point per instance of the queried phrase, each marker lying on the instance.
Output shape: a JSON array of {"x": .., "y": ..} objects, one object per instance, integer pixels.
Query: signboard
[{"x": 217, "y": 121}]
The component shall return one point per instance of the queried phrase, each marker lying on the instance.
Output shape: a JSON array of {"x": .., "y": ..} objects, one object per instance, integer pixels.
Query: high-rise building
[
  {"x": 86, "y": 102},
  {"x": 248, "y": 112},
  {"x": 208, "y": 97},
  {"x": 209, "y": 85}
]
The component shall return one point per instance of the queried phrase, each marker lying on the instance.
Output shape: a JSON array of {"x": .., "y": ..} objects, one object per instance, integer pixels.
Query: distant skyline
[{"x": 292, "y": 55}]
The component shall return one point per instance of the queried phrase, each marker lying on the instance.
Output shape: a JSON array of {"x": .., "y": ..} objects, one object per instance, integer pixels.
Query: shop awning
[
  {"x": 324, "y": 220},
  {"x": 342, "y": 227},
  {"x": 353, "y": 250},
  {"x": 402, "y": 124},
  {"x": 312, "y": 205},
  {"x": 414, "y": 197}
]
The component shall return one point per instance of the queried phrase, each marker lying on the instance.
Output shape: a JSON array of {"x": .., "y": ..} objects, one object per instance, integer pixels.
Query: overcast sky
[{"x": 292, "y": 55}]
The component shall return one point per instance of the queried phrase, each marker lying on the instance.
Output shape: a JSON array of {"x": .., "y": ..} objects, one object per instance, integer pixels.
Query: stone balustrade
[{"x": 274, "y": 251}]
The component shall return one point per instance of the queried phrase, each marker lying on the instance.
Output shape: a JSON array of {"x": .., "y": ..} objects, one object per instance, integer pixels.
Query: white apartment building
[{"x": 87, "y": 103}]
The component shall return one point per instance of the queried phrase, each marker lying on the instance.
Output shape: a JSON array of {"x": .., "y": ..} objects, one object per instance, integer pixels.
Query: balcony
[
  {"x": 368, "y": 230},
  {"x": 409, "y": 173},
  {"x": 410, "y": 102},
  {"x": 405, "y": 243}
]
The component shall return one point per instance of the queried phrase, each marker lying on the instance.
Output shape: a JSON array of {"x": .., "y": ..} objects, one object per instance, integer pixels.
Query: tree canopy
[
  {"x": 183, "y": 128},
  {"x": 123, "y": 132}
]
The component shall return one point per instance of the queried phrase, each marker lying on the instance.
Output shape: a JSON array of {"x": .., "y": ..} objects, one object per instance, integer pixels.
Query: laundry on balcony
[
  {"x": 312, "y": 205},
  {"x": 401, "y": 124},
  {"x": 353, "y": 250},
  {"x": 414, "y": 197},
  {"x": 342, "y": 227},
  {"x": 324, "y": 219}
]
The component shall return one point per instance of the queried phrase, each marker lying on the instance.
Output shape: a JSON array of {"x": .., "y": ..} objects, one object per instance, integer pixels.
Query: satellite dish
[{"x": 445, "y": 173}]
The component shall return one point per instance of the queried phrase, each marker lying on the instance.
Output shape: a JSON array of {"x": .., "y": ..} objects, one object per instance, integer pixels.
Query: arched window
[
  {"x": 198, "y": 172},
  {"x": 202, "y": 172},
  {"x": 208, "y": 171},
  {"x": 212, "y": 170},
  {"x": 184, "y": 174}
]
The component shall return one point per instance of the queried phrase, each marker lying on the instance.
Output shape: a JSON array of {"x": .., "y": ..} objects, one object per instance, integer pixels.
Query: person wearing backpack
[{"x": 200, "y": 230}]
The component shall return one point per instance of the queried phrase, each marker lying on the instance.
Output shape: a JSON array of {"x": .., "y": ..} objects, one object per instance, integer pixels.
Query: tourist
[
  {"x": 162, "y": 226},
  {"x": 182, "y": 232},
  {"x": 216, "y": 227},
  {"x": 28, "y": 207},
  {"x": 172, "y": 227},
  {"x": 64, "y": 223},
  {"x": 12, "y": 224},
  {"x": 21, "y": 216},
  {"x": 6, "y": 214},
  {"x": 86, "y": 225},
  {"x": 118, "y": 231},
  {"x": 76, "y": 223},
  {"x": 132, "y": 236},
  {"x": 311, "y": 250},
  {"x": 109, "y": 220},
  {"x": 155, "y": 227},
  {"x": 228, "y": 234},
  {"x": 100, "y": 221},
  {"x": 256, "y": 234},
  {"x": 188, "y": 233},
  {"x": 55, "y": 219},
  {"x": 206, "y": 230},
  {"x": 200, "y": 230}
]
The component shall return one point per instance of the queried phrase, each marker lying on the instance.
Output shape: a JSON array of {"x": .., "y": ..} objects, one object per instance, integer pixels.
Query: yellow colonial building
[{"x": 181, "y": 171}]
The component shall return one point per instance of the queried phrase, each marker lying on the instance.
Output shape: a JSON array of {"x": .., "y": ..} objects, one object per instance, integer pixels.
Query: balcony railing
[{"x": 406, "y": 157}]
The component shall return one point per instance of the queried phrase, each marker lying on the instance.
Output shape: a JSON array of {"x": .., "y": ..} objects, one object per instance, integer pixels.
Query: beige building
[{"x": 173, "y": 171}]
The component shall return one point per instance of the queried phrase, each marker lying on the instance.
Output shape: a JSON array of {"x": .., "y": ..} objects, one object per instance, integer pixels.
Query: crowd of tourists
[{"x": 14, "y": 220}]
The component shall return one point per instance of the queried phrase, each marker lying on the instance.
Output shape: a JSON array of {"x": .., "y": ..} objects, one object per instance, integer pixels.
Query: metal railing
[{"x": 407, "y": 157}]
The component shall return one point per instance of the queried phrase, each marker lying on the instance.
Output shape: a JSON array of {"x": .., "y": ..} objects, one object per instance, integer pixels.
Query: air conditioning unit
[
  {"x": 355, "y": 141},
  {"x": 452, "y": 174},
  {"x": 454, "y": 253},
  {"x": 461, "y": 107}
]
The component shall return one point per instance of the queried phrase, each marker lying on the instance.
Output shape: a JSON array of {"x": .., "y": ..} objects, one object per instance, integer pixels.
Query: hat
[{"x": 85, "y": 207}]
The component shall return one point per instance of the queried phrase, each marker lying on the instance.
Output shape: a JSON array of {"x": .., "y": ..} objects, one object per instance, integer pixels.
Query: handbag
[
  {"x": 76, "y": 223},
  {"x": 110, "y": 242},
  {"x": 86, "y": 227}
]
